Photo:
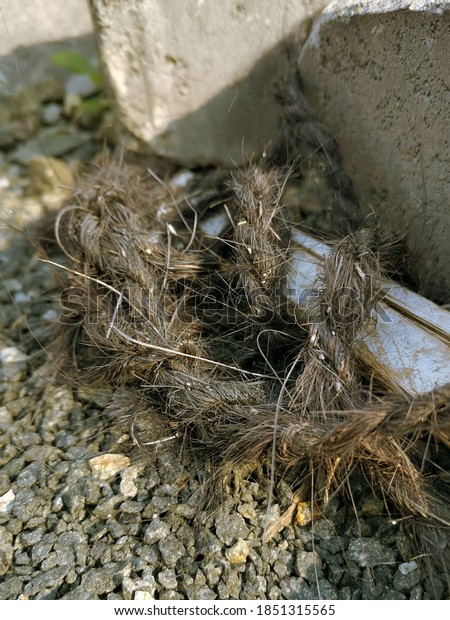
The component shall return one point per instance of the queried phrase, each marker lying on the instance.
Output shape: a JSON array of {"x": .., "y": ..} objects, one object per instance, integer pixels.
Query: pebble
[
  {"x": 53, "y": 141},
  {"x": 82, "y": 85},
  {"x": 168, "y": 579},
  {"x": 369, "y": 552},
  {"x": 7, "y": 501},
  {"x": 294, "y": 588},
  {"x": 127, "y": 486},
  {"x": 46, "y": 579},
  {"x": 21, "y": 298},
  {"x": 51, "y": 113},
  {"x": 49, "y": 175},
  {"x": 171, "y": 551},
  {"x": 238, "y": 553},
  {"x": 100, "y": 581},
  {"x": 106, "y": 466},
  {"x": 200, "y": 594},
  {"x": 74, "y": 502},
  {"x": 230, "y": 527},
  {"x": 406, "y": 577},
  {"x": 41, "y": 549},
  {"x": 407, "y": 567},
  {"x": 156, "y": 531},
  {"x": 11, "y": 588},
  {"x": 5, "y": 483},
  {"x": 26, "y": 505},
  {"x": 6, "y": 550},
  {"x": 308, "y": 565},
  {"x": 142, "y": 595},
  {"x": 29, "y": 476},
  {"x": 13, "y": 364},
  {"x": 49, "y": 89}
]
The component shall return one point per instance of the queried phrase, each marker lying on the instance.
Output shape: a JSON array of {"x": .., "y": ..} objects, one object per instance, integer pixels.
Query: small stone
[
  {"x": 230, "y": 528},
  {"x": 11, "y": 588},
  {"x": 131, "y": 507},
  {"x": 29, "y": 476},
  {"x": 26, "y": 505},
  {"x": 49, "y": 89},
  {"x": 6, "y": 501},
  {"x": 106, "y": 466},
  {"x": 80, "y": 594},
  {"x": 30, "y": 439},
  {"x": 41, "y": 550},
  {"x": 200, "y": 594},
  {"x": 212, "y": 572},
  {"x": 406, "y": 577},
  {"x": 22, "y": 298},
  {"x": 5, "y": 422},
  {"x": 168, "y": 579},
  {"x": 54, "y": 141},
  {"x": 247, "y": 511},
  {"x": 51, "y": 113},
  {"x": 40, "y": 454},
  {"x": 50, "y": 562},
  {"x": 369, "y": 552},
  {"x": 105, "y": 510},
  {"x": 308, "y": 565},
  {"x": 407, "y": 567},
  {"x": 294, "y": 588},
  {"x": 128, "y": 588},
  {"x": 127, "y": 486},
  {"x": 171, "y": 595},
  {"x": 335, "y": 573},
  {"x": 156, "y": 531},
  {"x": 116, "y": 529},
  {"x": 8, "y": 134},
  {"x": 6, "y": 550},
  {"x": 31, "y": 538},
  {"x": 5, "y": 485},
  {"x": 238, "y": 553},
  {"x": 48, "y": 579},
  {"x": 102, "y": 580},
  {"x": 22, "y": 558},
  {"x": 49, "y": 175},
  {"x": 372, "y": 506},
  {"x": 81, "y": 85},
  {"x": 25, "y": 107},
  {"x": 171, "y": 550},
  {"x": 13, "y": 364},
  {"x": 142, "y": 595}
]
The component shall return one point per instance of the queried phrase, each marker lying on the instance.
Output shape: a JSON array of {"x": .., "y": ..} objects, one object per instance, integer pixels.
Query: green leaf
[
  {"x": 95, "y": 104},
  {"x": 97, "y": 78},
  {"x": 73, "y": 61}
]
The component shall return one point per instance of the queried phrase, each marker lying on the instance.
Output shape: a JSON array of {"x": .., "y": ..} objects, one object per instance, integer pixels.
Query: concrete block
[
  {"x": 377, "y": 73},
  {"x": 191, "y": 77},
  {"x": 31, "y": 31}
]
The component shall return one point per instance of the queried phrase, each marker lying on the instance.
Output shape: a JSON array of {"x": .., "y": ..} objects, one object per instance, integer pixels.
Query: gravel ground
[{"x": 82, "y": 514}]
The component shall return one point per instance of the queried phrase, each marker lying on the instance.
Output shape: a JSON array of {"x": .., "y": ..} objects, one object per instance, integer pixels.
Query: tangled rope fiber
[{"x": 176, "y": 294}]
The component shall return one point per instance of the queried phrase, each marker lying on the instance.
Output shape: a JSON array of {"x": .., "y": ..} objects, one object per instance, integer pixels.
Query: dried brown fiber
[{"x": 178, "y": 295}]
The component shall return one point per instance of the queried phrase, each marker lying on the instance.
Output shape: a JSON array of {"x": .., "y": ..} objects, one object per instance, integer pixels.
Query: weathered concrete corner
[
  {"x": 192, "y": 77},
  {"x": 377, "y": 73}
]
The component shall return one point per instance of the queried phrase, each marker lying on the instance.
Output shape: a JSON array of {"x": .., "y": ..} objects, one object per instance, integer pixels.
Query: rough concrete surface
[
  {"x": 38, "y": 21},
  {"x": 32, "y": 30},
  {"x": 377, "y": 73},
  {"x": 192, "y": 77}
]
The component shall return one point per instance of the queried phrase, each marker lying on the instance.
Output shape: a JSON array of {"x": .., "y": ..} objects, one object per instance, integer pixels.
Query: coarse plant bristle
[{"x": 179, "y": 296}]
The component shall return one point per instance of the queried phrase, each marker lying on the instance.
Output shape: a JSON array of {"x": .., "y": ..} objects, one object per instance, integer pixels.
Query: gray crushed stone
[{"x": 70, "y": 529}]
